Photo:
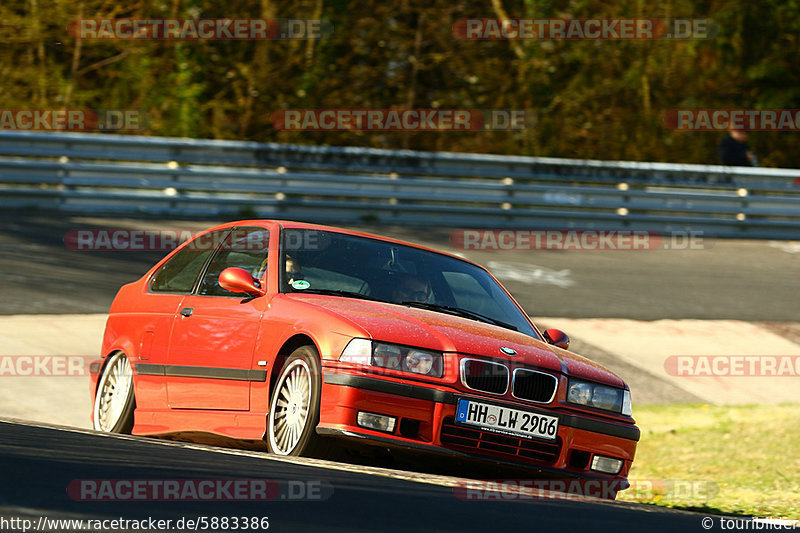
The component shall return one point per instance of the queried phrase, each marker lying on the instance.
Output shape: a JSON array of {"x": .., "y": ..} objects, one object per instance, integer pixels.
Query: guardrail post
[
  {"x": 175, "y": 192},
  {"x": 62, "y": 186},
  {"x": 395, "y": 177},
  {"x": 281, "y": 196},
  {"x": 744, "y": 204},
  {"x": 508, "y": 205},
  {"x": 623, "y": 210}
]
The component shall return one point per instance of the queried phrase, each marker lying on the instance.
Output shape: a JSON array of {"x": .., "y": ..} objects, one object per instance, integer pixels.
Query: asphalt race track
[
  {"x": 723, "y": 279},
  {"x": 39, "y": 463}
]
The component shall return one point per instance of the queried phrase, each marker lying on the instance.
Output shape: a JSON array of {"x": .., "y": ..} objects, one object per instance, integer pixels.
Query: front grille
[
  {"x": 473, "y": 439},
  {"x": 533, "y": 385},
  {"x": 484, "y": 376}
]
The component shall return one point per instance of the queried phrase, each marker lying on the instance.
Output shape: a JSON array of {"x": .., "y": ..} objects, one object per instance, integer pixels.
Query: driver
[
  {"x": 293, "y": 270},
  {"x": 411, "y": 289}
]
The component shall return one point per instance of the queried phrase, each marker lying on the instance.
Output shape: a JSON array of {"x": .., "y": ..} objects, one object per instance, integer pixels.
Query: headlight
[
  {"x": 600, "y": 396},
  {"x": 393, "y": 357}
]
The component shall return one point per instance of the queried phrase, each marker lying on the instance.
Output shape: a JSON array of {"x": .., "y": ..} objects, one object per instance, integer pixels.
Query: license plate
[{"x": 506, "y": 420}]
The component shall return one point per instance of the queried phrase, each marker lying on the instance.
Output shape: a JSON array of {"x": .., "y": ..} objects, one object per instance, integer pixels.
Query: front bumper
[{"x": 425, "y": 416}]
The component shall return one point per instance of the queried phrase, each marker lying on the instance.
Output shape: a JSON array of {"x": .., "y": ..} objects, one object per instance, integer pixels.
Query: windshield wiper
[
  {"x": 466, "y": 313},
  {"x": 336, "y": 292}
]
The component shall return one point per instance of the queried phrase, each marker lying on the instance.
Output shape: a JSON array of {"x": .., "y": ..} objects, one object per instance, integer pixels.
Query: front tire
[
  {"x": 294, "y": 406},
  {"x": 114, "y": 402}
]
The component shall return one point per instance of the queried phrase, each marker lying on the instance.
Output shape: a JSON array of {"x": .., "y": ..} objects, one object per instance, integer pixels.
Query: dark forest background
[{"x": 590, "y": 99}]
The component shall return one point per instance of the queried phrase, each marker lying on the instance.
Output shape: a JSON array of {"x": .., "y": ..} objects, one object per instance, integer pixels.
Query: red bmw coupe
[{"x": 291, "y": 333}]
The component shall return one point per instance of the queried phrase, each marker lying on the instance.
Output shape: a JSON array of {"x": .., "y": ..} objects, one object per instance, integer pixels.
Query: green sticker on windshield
[{"x": 300, "y": 284}]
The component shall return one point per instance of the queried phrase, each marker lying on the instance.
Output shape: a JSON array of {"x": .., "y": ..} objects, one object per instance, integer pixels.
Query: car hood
[{"x": 448, "y": 333}]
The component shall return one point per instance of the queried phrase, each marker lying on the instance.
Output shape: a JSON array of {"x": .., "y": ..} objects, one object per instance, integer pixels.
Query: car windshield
[{"x": 326, "y": 262}]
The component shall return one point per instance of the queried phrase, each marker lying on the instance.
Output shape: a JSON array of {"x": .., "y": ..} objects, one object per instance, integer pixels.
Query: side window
[
  {"x": 244, "y": 248},
  {"x": 180, "y": 272}
]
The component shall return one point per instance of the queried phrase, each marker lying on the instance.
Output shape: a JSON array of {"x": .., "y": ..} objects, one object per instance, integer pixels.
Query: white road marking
[
  {"x": 531, "y": 274},
  {"x": 790, "y": 247}
]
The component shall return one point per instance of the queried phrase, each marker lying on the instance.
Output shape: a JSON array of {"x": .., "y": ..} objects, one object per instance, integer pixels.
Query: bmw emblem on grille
[{"x": 508, "y": 351}]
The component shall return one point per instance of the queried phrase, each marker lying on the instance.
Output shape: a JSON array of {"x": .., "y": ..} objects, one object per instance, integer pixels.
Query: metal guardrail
[{"x": 95, "y": 173}]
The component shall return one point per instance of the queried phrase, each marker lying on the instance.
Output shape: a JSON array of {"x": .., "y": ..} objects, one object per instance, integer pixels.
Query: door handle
[{"x": 187, "y": 311}]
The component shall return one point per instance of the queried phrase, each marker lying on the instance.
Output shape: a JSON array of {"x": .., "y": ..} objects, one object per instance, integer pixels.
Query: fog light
[
  {"x": 607, "y": 465},
  {"x": 376, "y": 421}
]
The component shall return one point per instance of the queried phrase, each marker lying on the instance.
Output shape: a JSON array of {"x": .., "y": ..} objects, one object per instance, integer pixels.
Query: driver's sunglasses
[{"x": 411, "y": 294}]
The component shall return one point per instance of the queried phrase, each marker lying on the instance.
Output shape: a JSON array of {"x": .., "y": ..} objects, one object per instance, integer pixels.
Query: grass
[{"x": 718, "y": 459}]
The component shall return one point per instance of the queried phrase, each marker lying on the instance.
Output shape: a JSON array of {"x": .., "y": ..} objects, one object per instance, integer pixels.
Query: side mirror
[
  {"x": 556, "y": 337},
  {"x": 237, "y": 279}
]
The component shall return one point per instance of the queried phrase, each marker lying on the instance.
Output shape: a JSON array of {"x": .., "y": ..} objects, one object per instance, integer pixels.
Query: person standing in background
[{"x": 734, "y": 150}]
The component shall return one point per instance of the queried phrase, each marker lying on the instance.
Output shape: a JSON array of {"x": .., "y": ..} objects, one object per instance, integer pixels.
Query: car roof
[{"x": 294, "y": 224}]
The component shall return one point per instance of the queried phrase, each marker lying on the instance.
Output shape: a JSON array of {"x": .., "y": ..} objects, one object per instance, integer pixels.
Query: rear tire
[
  {"x": 114, "y": 402},
  {"x": 294, "y": 406}
]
